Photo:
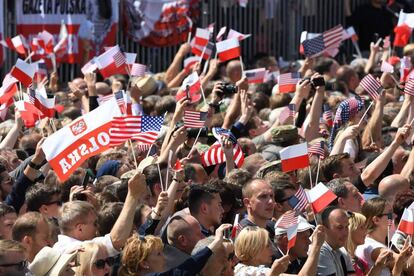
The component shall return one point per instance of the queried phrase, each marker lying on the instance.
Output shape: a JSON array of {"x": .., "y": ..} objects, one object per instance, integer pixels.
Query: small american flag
[
  {"x": 317, "y": 149},
  {"x": 327, "y": 115},
  {"x": 302, "y": 200},
  {"x": 194, "y": 119},
  {"x": 123, "y": 128},
  {"x": 32, "y": 96},
  {"x": 387, "y": 67},
  {"x": 372, "y": 86},
  {"x": 409, "y": 87},
  {"x": 287, "y": 82},
  {"x": 120, "y": 100},
  {"x": 150, "y": 128},
  {"x": 138, "y": 70},
  {"x": 287, "y": 220},
  {"x": 330, "y": 39},
  {"x": 292, "y": 110},
  {"x": 119, "y": 59}
]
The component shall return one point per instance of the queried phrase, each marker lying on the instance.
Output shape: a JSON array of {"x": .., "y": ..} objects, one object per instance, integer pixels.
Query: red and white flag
[
  {"x": 62, "y": 47},
  {"x": 291, "y": 235},
  {"x": 138, "y": 70},
  {"x": 8, "y": 89},
  {"x": 255, "y": 75},
  {"x": 236, "y": 226},
  {"x": 204, "y": 52},
  {"x": 372, "y": 86},
  {"x": 221, "y": 34},
  {"x": 69, "y": 147},
  {"x": 89, "y": 67},
  {"x": 407, "y": 222},
  {"x": 320, "y": 197},
  {"x": 294, "y": 157},
  {"x": 349, "y": 33},
  {"x": 16, "y": 43},
  {"x": 237, "y": 35},
  {"x": 23, "y": 72},
  {"x": 228, "y": 49},
  {"x": 287, "y": 82},
  {"x": 45, "y": 105},
  {"x": 191, "y": 88},
  {"x": 202, "y": 36},
  {"x": 111, "y": 62},
  {"x": 409, "y": 87},
  {"x": 189, "y": 62},
  {"x": 46, "y": 41},
  {"x": 41, "y": 71},
  {"x": 387, "y": 67}
]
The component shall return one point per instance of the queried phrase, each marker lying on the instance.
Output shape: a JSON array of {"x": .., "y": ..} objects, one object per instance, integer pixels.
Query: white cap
[{"x": 303, "y": 225}]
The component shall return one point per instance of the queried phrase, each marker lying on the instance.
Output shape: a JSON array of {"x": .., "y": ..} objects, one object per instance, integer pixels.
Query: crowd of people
[{"x": 111, "y": 217}]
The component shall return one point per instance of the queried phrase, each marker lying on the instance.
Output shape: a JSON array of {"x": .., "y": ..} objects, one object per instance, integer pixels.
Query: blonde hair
[
  {"x": 87, "y": 257},
  {"x": 136, "y": 250},
  {"x": 250, "y": 242},
  {"x": 355, "y": 221}
]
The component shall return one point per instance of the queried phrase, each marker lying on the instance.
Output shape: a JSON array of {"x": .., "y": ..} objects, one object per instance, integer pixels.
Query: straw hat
[{"x": 50, "y": 262}]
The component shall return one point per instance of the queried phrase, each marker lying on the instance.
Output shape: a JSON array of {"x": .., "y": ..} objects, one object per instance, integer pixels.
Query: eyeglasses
[
  {"x": 20, "y": 265},
  {"x": 100, "y": 264},
  {"x": 284, "y": 199},
  {"x": 57, "y": 202},
  {"x": 389, "y": 215}
]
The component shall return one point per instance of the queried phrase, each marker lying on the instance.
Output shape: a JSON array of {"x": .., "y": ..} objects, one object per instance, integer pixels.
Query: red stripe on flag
[
  {"x": 229, "y": 54},
  {"x": 287, "y": 88},
  {"x": 295, "y": 163},
  {"x": 21, "y": 76},
  {"x": 320, "y": 203}
]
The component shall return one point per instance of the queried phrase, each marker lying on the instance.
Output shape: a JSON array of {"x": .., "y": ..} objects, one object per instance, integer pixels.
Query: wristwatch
[{"x": 34, "y": 166}]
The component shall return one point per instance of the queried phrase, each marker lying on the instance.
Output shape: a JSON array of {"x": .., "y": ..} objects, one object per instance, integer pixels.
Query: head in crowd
[
  {"x": 340, "y": 166},
  {"x": 357, "y": 232},
  {"x": 12, "y": 258},
  {"x": 50, "y": 262},
  {"x": 252, "y": 246},
  {"x": 258, "y": 198},
  {"x": 79, "y": 220},
  {"x": 283, "y": 192},
  {"x": 183, "y": 233},
  {"x": 45, "y": 199},
  {"x": 204, "y": 203},
  {"x": 142, "y": 255},
  {"x": 94, "y": 260},
  {"x": 33, "y": 231},
  {"x": 336, "y": 223},
  {"x": 8, "y": 217},
  {"x": 377, "y": 211},
  {"x": 348, "y": 196},
  {"x": 391, "y": 185}
]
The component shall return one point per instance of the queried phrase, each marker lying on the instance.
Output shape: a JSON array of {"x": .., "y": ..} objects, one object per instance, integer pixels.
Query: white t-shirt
[{"x": 364, "y": 252}]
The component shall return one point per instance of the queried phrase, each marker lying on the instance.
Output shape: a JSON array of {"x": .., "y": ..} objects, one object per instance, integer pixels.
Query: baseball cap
[{"x": 303, "y": 225}]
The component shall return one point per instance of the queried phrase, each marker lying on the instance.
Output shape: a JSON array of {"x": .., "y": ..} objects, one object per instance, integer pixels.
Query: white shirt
[
  {"x": 364, "y": 252},
  {"x": 68, "y": 244}
]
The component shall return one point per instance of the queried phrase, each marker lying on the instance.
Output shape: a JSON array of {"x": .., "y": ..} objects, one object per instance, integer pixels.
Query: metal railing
[{"x": 276, "y": 26}]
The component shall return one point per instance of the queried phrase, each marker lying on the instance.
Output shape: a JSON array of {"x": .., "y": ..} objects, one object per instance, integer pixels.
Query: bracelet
[{"x": 34, "y": 166}]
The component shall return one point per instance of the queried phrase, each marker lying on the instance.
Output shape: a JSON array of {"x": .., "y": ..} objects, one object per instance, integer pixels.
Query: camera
[
  {"x": 80, "y": 196},
  {"x": 229, "y": 89},
  {"x": 319, "y": 81}
]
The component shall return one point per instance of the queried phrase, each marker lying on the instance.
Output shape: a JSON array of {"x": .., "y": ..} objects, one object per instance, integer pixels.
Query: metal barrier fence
[{"x": 275, "y": 26}]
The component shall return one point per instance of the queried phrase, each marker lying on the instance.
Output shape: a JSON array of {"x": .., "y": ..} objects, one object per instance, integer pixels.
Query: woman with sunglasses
[
  {"x": 254, "y": 251},
  {"x": 94, "y": 260},
  {"x": 143, "y": 255},
  {"x": 374, "y": 251}
]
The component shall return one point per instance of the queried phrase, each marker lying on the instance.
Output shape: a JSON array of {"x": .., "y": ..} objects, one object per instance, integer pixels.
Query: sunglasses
[
  {"x": 100, "y": 264},
  {"x": 20, "y": 265},
  {"x": 57, "y": 202}
]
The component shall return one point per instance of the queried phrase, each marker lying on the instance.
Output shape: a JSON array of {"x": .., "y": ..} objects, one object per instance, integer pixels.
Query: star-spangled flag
[
  {"x": 287, "y": 82},
  {"x": 119, "y": 97},
  {"x": 194, "y": 119},
  {"x": 405, "y": 67},
  {"x": 89, "y": 67},
  {"x": 317, "y": 149},
  {"x": 298, "y": 201},
  {"x": 328, "y": 40},
  {"x": 409, "y": 87},
  {"x": 327, "y": 115},
  {"x": 138, "y": 70},
  {"x": 150, "y": 129},
  {"x": 386, "y": 67},
  {"x": 123, "y": 128},
  {"x": 292, "y": 110},
  {"x": 287, "y": 220},
  {"x": 119, "y": 59},
  {"x": 255, "y": 75},
  {"x": 372, "y": 86}
]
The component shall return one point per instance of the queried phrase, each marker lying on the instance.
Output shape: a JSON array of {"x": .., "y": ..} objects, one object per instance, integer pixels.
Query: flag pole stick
[
  {"x": 202, "y": 54},
  {"x": 20, "y": 91},
  {"x": 242, "y": 67},
  {"x": 133, "y": 153},
  {"x": 195, "y": 142},
  {"x": 29, "y": 57},
  {"x": 170, "y": 153},
  {"x": 388, "y": 236},
  {"x": 365, "y": 113},
  {"x": 310, "y": 176},
  {"x": 202, "y": 94},
  {"x": 159, "y": 172},
  {"x": 317, "y": 172},
  {"x": 149, "y": 150}
]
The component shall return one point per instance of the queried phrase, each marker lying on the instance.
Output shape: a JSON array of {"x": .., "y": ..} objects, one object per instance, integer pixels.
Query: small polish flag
[
  {"x": 255, "y": 75},
  {"x": 8, "y": 89},
  {"x": 24, "y": 72},
  {"x": 192, "y": 86},
  {"x": 235, "y": 227},
  {"x": 386, "y": 67},
  {"x": 44, "y": 105},
  {"x": 294, "y": 157},
  {"x": 16, "y": 43},
  {"x": 239, "y": 36},
  {"x": 349, "y": 33},
  {"x": 291, "y": 235},
  {"x": 46, "y": 41},
  {"x": 89, "y": 67},
  {"x": 198, "y": 50},
  {"x": 110, "y": 62},
  {"x": 320, "y": 197},
  {"x": 407, "y": 222},
  {"x": 189, "y": 62},
  {"x": 202, "y": 36},
  {"x": 62, "y": 46},
  {"x": 138, "y": 70},
  {"x": 221, "y": 34},
  {"x": 228, "y": 49}
]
